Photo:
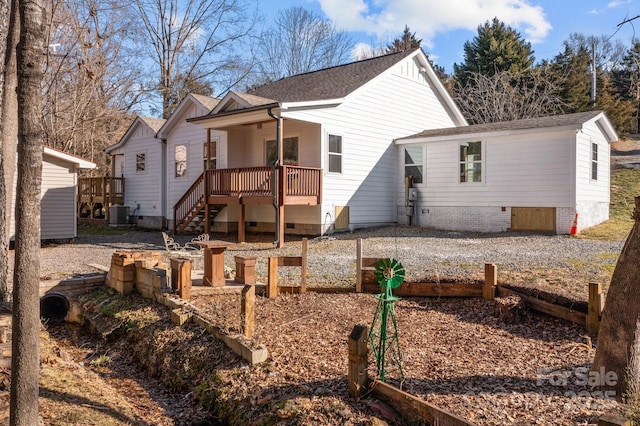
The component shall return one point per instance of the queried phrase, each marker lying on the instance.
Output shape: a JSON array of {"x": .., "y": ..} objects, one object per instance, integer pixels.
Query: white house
[
  {"x": 537, "y": 174},
  {"x": 320, "y": 151},
  {"x": 159, "y": 160},
  {"x": 58, "y": 195},
  {"x": 332, "y": 131}
]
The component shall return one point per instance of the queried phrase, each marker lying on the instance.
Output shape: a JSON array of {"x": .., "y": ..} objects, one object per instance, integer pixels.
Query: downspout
[
  {"x": 164, "y": 208},
  {"x": 274, "y": 174}
]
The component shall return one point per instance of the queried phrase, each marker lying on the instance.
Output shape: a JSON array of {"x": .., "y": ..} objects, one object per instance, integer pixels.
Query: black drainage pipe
[{"x": 54, "y": 307}]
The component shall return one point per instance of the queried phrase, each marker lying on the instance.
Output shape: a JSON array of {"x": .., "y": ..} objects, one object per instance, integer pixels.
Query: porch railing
[
  {"x": 258, "y": 181},
  {"x": 101, "y": 190}
]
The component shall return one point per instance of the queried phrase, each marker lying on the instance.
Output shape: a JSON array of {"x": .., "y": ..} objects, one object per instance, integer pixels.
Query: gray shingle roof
[
  {"x": 329, "y": 83},
  {"x": 154, "y": 123},
  {"x": 576, "y": 119},
  {"x": 207, "y": 101}
]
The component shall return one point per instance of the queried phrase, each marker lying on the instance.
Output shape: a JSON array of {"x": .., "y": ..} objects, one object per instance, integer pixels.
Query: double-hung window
[
  {"x": 335, "y": 154},
  {"x": 471, "y": 162},
  {"x": 413, "y": 166},
  {"x": 594, "y": 161},
  {"x": 180, "y": 160},
  {"x": 141, "y": 162}
]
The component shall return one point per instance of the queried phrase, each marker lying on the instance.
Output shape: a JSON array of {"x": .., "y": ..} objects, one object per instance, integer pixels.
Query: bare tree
[
  {"x": 302, "y": 41},
  {"x": 9, "y": 137},
  {"x": 196, "y": 40},
  {"x": 25, "y": 367},
  {"x": 4, "y": 217},
  {"x": 91, "y": 75},
  {"x": 509, "y": 96}
]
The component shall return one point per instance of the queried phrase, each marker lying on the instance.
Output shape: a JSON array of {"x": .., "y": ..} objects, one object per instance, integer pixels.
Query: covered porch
[{"x": 277, "y": 186}]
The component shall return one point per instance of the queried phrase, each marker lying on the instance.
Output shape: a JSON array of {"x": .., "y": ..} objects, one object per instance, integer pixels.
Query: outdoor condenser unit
[{"x": 118, "y": 215}]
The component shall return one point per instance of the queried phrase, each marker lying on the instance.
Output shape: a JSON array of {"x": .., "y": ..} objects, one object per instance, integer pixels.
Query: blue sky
[{"x": 444, "y": 25}]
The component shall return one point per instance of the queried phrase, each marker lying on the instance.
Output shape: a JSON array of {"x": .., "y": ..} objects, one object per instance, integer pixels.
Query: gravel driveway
[{"x": 559, "y": 263}]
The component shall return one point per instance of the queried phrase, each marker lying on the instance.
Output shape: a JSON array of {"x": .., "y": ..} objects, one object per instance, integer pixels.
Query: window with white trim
[
  {"x": 180, "y": 160},
  {"x": 141, "y": 162},
  {"x": 594, "y": 161},
  {"x": 471, "y": 162},
  {"x": 335, "y": 153},
  {"x": 413, "y": 166}
]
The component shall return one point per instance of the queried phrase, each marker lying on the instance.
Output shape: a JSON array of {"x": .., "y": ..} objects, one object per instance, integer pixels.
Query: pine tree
[
  {"x": 496, "y": 48},
  {"x": 407, "y": 41}
]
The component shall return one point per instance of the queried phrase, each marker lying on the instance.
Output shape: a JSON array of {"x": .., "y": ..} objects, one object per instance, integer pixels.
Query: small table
[{"x": 214, "y": 261}]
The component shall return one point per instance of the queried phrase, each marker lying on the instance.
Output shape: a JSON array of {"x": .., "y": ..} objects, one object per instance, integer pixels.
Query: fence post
[
  {"x": 272, "y": 280},
  {"x": 594, "y": 311},
  {"x": 358, "y": 358},
  {"x": 181, "y": 277},
  {"x": 490, "y": 281},
  {"x": 248, "y": 313},
  {"x": 359, "y": 265},
  {"x": 303, "y": 276}
]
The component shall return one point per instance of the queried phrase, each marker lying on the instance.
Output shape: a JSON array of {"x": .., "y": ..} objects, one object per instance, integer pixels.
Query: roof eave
[
  {"x": 324, "y": 103},
  {"x": 78, "y": 162},
  {"x": 237, "y": 117},
  {"x": 483, "y": 134}
]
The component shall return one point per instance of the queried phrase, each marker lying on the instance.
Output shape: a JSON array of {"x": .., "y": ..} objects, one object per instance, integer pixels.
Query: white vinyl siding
[
  {"x": 143, "y": 188},
  {"x": 192, "y": 136},
  {"x": 514, "y": 173},
  {"x": 58, "y": 200}
]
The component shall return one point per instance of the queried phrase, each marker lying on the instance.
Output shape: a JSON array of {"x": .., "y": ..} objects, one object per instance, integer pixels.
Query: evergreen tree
[
  {"x": 407, "y": 41},
  {"x": 496, "y": 48}
]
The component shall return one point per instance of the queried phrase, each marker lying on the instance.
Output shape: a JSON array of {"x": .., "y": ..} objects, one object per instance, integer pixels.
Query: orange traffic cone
[{"x": 574, "y": 227}]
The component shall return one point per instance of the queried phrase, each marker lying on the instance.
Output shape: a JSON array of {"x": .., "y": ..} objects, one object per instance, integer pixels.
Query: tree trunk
[
  {"x": 25, "y": 368},
  {"x": 616, "y": 338},
  {"x": 10, "y": 110},
  {"x": 4, "y": 225}
]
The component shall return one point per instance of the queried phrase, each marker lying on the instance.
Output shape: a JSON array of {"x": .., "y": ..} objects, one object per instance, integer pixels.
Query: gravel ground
[
  {"x": 459, "y": 358},
  {"x": 558, "y": 263}
]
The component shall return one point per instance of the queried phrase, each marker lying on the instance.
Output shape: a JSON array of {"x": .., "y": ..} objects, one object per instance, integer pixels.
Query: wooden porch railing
[
  {"x": 258, "y": 181},
  {"x": 300, "y": 185},
  {"x": 101, "y": 190},
  {"x": 240, "y": 182},
  {"x": 190, "y": 203},
  {"x": 301, "y": 182}
]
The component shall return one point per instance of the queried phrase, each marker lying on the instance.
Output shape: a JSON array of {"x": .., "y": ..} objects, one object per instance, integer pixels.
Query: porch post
[
  {"x": 207, "y": 206},
  {"x": 241, "y": 228}
]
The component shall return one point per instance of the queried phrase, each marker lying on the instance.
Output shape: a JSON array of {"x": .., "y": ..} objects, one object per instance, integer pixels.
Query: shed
[
  {"x": 539, "y": 174},
  {"x": 58, "y": 195}
]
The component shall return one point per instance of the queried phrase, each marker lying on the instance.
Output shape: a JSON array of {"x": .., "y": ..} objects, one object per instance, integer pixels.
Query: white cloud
[
  {"x": 618, "y": 3},
  {"x": 427, "y": 18}
]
